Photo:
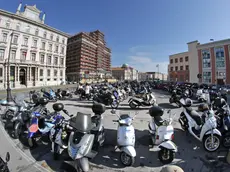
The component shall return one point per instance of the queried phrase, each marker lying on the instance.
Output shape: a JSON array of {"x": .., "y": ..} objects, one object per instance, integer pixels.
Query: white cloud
[{"x": 146, "y": 64}]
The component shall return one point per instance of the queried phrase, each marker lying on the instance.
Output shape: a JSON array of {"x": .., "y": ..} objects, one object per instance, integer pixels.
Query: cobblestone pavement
[{"x": 190, "y": 156}]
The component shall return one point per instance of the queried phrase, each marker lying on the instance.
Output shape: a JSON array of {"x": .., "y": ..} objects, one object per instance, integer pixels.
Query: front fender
[
  {"x": 168, "y": 145},
  {"x": 129, "y": 150},
  {"x": 214, "y": 131}
]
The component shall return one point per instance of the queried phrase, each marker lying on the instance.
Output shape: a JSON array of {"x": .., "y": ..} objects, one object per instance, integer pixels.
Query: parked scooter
[
  {"x": 51, "y": 96},
  {"x": 4, "y": 164},
  {"x": 203, "y": 130},
  {"x": 136, "y": 102},
  {"x": 126, "y": 138},
  {"x": 63, "y": 94},
  {"x": 162, "y": 133}
]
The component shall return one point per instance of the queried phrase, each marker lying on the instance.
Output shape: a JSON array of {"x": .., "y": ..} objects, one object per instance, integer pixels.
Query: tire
[
  {"x": 166, "y": 160},
  {"x": 226, "y": 141},
  {"x": 8, "y": 115},
  {"x": 207, "y": 138},
  {"x": 17, "y": 130},
  {"x": 114, "y": 104},
  {"x": 126, "y": 162},
  {"x": 56, "y": 151},
  {"x": 170, "y": 100},
  {"x": 132, "y": 105}
]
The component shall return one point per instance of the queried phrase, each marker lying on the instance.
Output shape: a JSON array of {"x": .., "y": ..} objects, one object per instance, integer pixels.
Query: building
[
  {"x": 214, "y": 62},
  {"x": 156, "y": 75},
  {"x": 37, "y": 51},
  {"x": 142, "y": 76},
  {"x": 88, "y": 57},
  {"x": 125, "y": 72},
  {"x": 183, "y": 67}
]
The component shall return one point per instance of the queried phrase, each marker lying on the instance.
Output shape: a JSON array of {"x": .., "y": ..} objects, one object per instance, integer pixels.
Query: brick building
[{"x": 88, "y": 56}]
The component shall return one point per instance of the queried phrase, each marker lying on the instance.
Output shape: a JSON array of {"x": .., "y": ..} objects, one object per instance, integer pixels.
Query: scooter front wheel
[
  {"x": 166, "y": 156},
  {"x": 126, "y": 159},
  {"x": 211, "y": 143}
]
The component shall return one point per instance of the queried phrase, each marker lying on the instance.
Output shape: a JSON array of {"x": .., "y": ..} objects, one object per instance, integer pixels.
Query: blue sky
[{"x": 141, "y": 33}]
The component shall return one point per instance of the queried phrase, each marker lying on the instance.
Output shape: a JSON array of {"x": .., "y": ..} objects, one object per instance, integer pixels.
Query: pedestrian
[{"x": 87, "y": 90}]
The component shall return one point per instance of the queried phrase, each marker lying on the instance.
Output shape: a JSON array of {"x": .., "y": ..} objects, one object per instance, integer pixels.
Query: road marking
[{"x": 29, "y": 159}]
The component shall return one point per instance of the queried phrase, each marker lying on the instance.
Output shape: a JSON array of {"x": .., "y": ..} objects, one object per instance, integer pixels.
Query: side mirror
[{"x": 7, "y": 157}]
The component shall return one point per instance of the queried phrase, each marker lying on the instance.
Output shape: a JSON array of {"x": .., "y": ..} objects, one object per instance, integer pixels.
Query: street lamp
[{"x": 8, "y": 90}]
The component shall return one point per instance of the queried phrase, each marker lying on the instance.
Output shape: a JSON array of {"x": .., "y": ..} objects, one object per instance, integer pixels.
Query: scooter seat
[
  {"x": 194, "y": 115},
  {"x": 158, "y": 120}
]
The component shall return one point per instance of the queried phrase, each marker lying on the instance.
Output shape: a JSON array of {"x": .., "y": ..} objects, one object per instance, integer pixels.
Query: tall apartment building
[
  {"x": 183, "y": 67},
  {"x": 36, "y": 51},
  {"x": 88, "y": 56}
]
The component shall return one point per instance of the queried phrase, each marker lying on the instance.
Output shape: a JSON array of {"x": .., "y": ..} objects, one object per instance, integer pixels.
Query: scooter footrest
[{"x": 92, "y": 154}]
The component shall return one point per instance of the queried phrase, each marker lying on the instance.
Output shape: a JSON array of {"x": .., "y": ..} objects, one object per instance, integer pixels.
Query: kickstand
[{"x": 116, "y": 147}]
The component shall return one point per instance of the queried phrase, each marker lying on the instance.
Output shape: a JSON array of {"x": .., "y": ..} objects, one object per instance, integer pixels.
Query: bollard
[
  {"x": 228, "y": 157},
  {"x": 172, "y": 168}
]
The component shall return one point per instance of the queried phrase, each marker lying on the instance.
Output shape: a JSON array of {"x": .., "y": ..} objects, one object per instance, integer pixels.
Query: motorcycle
[
  {"x": 107, "y": 99},
  {"x": 4, "y": 164},
  {"x": 63, "y": 94},
  {"x": 126, "y": 138},
  {"x": 49, "y": 95},
  {"x": 162, "y": 133},
  {"x": 203, "y": 130},
  {"x": 175, "y": 97},
  {"x": 136, "y": 102}
]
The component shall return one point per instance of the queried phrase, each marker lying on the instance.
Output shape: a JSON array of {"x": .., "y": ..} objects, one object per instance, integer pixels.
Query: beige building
[
  {"x": 156, "y": 75},
  {"x": 125, "y": 73},
  {"x": 37, "y": 51},
  {"x": 183, "y": 67}
]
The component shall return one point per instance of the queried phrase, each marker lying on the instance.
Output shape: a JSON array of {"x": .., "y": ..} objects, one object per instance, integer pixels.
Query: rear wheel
[
  {"x": 114, "y": 104},
  {"x": 166, "y": 156},
  {"x": 132, "y": 105},
  {"x": 126, "y": 159},
  {"x": 17, "y": 130}
]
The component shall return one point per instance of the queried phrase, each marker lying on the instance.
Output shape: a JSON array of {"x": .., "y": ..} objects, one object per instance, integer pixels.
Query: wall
[{"x": 193, "y": 61}]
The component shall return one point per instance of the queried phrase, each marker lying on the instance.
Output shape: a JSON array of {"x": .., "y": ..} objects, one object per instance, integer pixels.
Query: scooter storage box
[
  {"x": 43, "y": 101},
  {"x": 98, "y": 108},
  {"x": 58, "y": 107},
  {"x": 81, "y": 122},
  {"x": 156, "y": 111}
]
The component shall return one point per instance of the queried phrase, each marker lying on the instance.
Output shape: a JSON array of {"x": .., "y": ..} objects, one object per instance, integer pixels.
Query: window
[
  {"x": 171, "y": 68},
  {"x": 35, "y": 43},
  {"x": 186, "y": 58},
  {"x": 55, "y": 73},
  {"x": 206, "y": 59},
  {"x": 42, "y": 58},
  {"x": 41, "y": 72},
  {"x": 176, "y": 68},
  {"x": 36, "y": 32},
  {"x": 220, "y": 59},
  {"x": 56, "y": 49},
  {"x": 15, "y": 39},
  {"x": 7, "y": 24},
  {"x": 176, "y": 60},
  {"x": 28, "y": 29},
  {"x": 57, "y": 39},
  {"x": 206, "y": 77},
  {"x": 56, "y": 60},
  {"x": 48, "y": 72},
  {"x": 62, "y": 50},
  {"x": 50, "y": 47},
  {"x": 62, "y": 61},
  {"x": 4, "y": 37},
  {"x": 49, "y": 59},
  {"x": 51, "y": 37},
  {"x": 2, "y": 53},
  {"x": 63, "y": 41},
  {"x": 181, "y": 67},
  {"x": 61, "y": 72},
  {"x": 186, "y": 67},
  {"x": 25, "y": 41},
  {"x": 43, "y": 45},
  {"x": 13, "y": 54},
  {"x": 181, "y": 59},
  {"x": 1, "y": 72},
  {"x": 171, "y": 60},
  {"x": 18, "y": 27},
  {"x": 33, "y": 56},
  {"x": 23, "y": 55},
  {"x": 45, "y": 34}
]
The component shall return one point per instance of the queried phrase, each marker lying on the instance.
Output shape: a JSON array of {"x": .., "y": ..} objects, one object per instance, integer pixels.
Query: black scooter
[{"x": 4, "y": 164}]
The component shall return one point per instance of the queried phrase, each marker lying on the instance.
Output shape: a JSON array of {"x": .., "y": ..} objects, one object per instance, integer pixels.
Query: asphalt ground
[{"x": 190, "y": 156}]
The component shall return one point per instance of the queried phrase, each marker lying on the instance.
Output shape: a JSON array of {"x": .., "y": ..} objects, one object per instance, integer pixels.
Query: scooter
[
  {"x": 136, "y": 102},
  {"x": 4, "y": 165},
  {"x": 162, "y": 133},
  {"x": 49, "y": 95},
  {"x": 204, "y": 96},
  {"x": 126, "y": 138},
  {"x": 203, "y": 130}
]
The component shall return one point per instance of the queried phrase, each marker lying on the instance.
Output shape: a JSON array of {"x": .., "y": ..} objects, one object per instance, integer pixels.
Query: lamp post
[{"x": 8, "y": 90}]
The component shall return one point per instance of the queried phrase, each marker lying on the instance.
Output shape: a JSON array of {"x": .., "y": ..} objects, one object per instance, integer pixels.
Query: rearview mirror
[{"x": 7, "y": 157}]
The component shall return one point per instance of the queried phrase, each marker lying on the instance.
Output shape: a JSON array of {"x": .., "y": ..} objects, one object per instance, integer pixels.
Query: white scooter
[
  {"x": 203, "y": 95},
  {"x": 162, "y": 133},
  {"x": 204, "y": 131},
  {"x": 135, "y": 102},
  {"x": 126, "y": 138}
]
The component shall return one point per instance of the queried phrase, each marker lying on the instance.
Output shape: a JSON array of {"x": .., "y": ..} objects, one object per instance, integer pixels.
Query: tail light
[
  {"x": 172, "y": 137},
  {"x": 157, "y": 137}
]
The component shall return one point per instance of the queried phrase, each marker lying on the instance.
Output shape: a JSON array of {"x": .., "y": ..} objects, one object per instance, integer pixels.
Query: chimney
[
  {"x": 43, "y": 18},
  {"x": 19, "y": 8}
]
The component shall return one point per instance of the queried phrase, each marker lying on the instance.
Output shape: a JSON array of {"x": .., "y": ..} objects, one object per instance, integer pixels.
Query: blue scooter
[{"x": 51, "y": 95}]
